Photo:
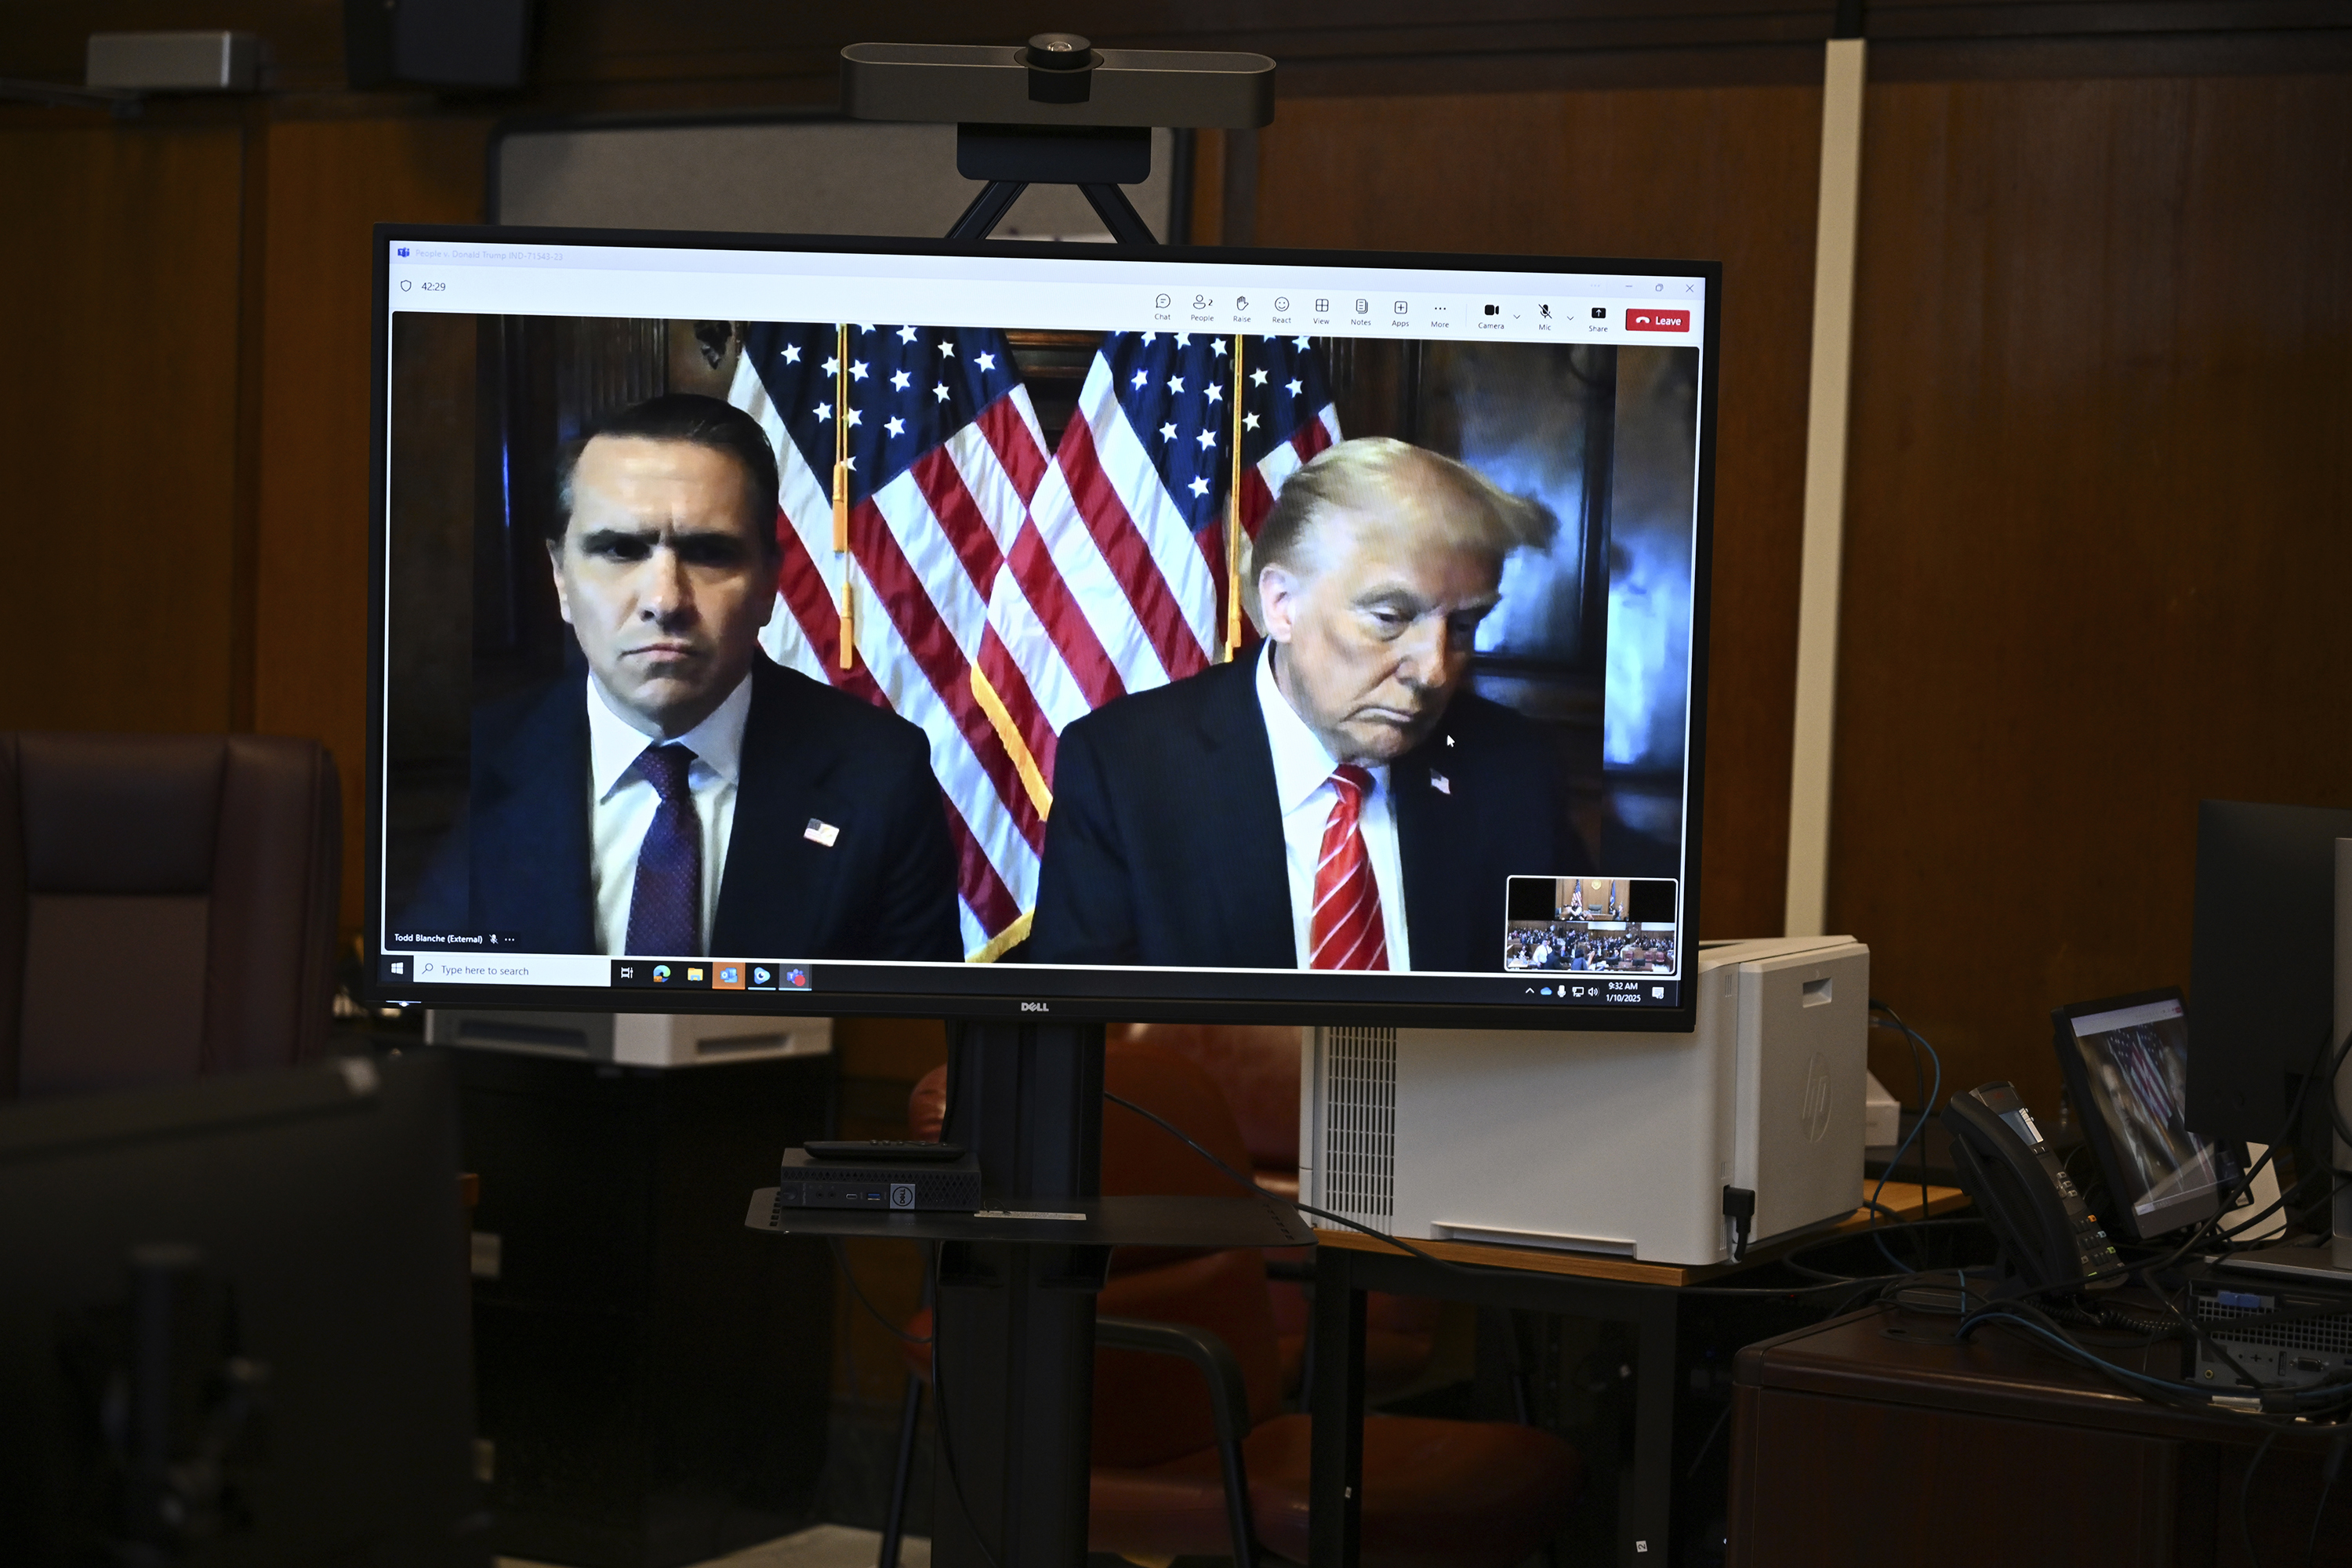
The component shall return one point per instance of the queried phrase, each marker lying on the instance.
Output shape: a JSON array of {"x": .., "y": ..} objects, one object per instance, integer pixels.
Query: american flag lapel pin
[{"x": 821, "y": 832}]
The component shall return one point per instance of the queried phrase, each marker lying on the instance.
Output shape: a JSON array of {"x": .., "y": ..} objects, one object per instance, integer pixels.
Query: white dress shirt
[
  {"x": 622, "y": 802},
  {"x": 1303, "y": 789}
]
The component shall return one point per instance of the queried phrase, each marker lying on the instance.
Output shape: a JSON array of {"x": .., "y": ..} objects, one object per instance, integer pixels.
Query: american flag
[
  {"x": 2139, "y": 1056},
  {"x": 994, "y": 596}
]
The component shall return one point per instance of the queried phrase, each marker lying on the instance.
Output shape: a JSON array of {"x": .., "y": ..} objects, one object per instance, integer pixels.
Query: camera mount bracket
[{"x": 1055, "y": 111}]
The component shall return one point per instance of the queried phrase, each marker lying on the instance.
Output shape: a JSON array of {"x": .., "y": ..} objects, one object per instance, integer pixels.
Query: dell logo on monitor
[{"x": 1035, "y": 1007}]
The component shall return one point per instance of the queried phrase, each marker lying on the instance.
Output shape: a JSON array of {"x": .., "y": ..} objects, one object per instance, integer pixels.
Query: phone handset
[{"x": 2047, "y": 1233}]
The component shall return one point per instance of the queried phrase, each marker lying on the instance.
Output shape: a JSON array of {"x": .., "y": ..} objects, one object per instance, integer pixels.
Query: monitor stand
[
  {"x": 1013, "y": 1370},
  {"x": 1014, "y": 1363}
]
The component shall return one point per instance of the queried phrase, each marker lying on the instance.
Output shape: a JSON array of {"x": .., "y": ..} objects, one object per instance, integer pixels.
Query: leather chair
[
  {"x": 1176, "y": 1445},
  {"x": 167, "y": 907},
  {"x": 1257, "y": 1067}
]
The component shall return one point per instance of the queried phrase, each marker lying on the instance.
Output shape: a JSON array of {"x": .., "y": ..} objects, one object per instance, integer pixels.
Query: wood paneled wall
[
  {"x": 2099, "y": 484},
  {"x": 119, "y": 423},
  {"x": 1723, "y": 173},
  {"x": 2099, "y": 530},
  {"x": 329, "y": 181}
]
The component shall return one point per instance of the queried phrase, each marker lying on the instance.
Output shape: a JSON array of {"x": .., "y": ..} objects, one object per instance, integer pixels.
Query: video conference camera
[{"x": 1056, "y": 110}]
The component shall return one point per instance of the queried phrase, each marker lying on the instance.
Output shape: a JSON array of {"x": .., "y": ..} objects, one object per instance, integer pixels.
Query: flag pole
[
  {"x": 1234, "y": 521},
  {"x": 841, "y": 488}
]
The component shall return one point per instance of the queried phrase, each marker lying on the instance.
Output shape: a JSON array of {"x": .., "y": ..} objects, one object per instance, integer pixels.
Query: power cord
[
  {"x": 841, "y": 1261},
  {"x": 1917, "y": 1043},
  {"x": 2246, "y": 1490},
  {"x": 947, "y": 1453},
  {"x": 2328, "y": 1474}
]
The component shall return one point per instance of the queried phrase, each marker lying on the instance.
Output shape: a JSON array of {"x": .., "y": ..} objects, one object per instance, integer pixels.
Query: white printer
[{"x": 1606, "y": 1142}]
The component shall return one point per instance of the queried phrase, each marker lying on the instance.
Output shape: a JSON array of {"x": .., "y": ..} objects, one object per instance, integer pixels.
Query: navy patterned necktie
[{"x": 666, "y": 905}]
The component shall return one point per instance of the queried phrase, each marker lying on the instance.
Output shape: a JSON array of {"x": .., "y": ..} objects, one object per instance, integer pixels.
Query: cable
[
  {"x": 1926, "y": 1108},
  {"x": 2245, "y": 1489},
  {"x": 947, "y": 1456},
  {"x": 2328, "y": 1474},
  {"x": 841, "y": 1261},
  {"x": 2245, "y": 1181}
]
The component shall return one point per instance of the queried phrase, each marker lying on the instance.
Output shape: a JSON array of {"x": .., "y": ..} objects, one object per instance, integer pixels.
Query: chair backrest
[
  {"x": 1257, "y": 1067},
  {"x": 167, "y": 907},
  {"x": 1149, "y": 1408},
  {"x": 1137, "y": 1157}
]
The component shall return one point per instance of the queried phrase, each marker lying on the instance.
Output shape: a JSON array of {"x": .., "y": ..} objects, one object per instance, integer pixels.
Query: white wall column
[{"x": 1826, "y": 437}]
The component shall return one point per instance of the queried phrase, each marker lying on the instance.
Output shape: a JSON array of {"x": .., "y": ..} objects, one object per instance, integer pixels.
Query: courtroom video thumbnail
[
  {"x": 1604, "y": 925},
  {"x": 1008, "y": 580}
]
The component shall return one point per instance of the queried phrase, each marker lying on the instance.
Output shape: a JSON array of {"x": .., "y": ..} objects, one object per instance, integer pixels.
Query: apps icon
[
  {"x": 727, "y": 976},
  {"x": 1400, "y": 307},
  {"x": 661, "y": 973},
  {"x": 760, "y": 977},
  {"x": 796, "y": 979},
  {"x": 694, "y": 972}
]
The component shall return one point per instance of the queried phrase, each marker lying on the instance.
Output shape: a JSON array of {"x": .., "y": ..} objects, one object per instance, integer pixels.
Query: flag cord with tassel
[{"x": 841, "y": 491}]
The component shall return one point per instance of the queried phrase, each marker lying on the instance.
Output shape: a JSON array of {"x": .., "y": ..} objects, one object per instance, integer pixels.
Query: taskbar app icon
[
  {"x": 710, "y": 974},
  {"x": 662, "y": 973}
]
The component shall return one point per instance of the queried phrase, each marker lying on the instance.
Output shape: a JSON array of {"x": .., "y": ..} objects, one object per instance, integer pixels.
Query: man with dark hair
[
  {"x": 1336, "y": 800},
  {"x": 690, "y": 796}
]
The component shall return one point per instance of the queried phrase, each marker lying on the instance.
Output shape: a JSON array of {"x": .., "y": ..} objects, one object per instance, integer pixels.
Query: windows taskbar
[{"x": 426, "y": 971}]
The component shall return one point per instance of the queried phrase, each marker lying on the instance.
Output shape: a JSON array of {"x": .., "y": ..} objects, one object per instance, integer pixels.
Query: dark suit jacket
[
  {"x": 519, "y": 859},
  {"x": 1165, "y": 843}
]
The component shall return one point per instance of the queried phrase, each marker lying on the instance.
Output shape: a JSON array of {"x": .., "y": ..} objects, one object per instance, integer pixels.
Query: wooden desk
[
  {"x": 1873, "y": 1439},
  {"x": 1349, "y": 1263},
  {"x": 1601, "y": 1266}
]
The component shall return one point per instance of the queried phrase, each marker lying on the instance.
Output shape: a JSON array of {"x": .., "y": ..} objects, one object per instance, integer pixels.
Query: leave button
[{"x": 1640, "y": 318}]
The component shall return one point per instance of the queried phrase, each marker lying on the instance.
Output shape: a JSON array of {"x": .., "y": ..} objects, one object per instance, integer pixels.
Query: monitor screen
[
  {"x": 844, "y": 626},
  {"x": 2262, "y": 1027},
  {"x": 2127, "y": 1062}
]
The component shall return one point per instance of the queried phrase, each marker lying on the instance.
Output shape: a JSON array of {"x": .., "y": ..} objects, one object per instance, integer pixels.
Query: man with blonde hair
[{"x": 1335, "y": 799}]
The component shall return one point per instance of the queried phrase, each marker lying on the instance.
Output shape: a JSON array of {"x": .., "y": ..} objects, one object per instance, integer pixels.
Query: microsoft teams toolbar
[{"x": 1046, "y": 293}]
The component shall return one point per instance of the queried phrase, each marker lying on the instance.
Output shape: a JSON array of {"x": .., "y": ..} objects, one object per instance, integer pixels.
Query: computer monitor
[
  {"x": 1025, "y": 631},
  {"x": 234, "y": 1324},
  {"x": 2125, "y": 1062},
  {"x": 2262, "y": 972}
]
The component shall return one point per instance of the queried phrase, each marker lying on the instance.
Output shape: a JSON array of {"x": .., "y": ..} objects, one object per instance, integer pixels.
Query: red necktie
[{"x": 1346, "y": 931}]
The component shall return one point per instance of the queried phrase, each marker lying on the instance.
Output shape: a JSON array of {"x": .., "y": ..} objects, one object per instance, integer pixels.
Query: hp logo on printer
[{"x": 1815, "y": 1116}]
